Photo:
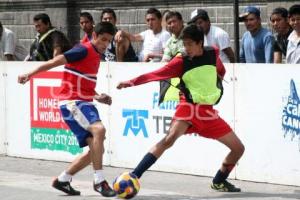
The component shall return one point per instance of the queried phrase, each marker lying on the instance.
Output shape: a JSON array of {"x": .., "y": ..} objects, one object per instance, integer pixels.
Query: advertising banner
[
  {"x": 48, "y": 130},
  {"x": 260, "y": 102},
  {"x": 267, "y": 112},
  {"x": 34, "y": 126}
]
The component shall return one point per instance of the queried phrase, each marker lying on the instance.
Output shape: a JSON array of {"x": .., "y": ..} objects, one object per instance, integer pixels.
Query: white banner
[
  {"x": 268, "y": 114},
  {"x": 3, "y": 133},
  {"x": 260, "y": 102}
]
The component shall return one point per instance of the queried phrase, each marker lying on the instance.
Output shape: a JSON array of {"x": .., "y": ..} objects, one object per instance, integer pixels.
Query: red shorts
[{"x": 204, "y": 120}]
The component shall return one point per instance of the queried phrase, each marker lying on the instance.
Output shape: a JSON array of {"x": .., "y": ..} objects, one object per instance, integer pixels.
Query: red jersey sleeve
[
  {"x": 220, "y": 67},
  {"x": 173, "y": 69}
]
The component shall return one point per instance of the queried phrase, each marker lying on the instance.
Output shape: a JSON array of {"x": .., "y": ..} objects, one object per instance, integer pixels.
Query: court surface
[{"x": 29, "y": 179}]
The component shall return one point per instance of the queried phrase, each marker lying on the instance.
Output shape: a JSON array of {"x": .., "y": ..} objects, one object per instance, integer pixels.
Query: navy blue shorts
[{"x": 79, "y": 115}]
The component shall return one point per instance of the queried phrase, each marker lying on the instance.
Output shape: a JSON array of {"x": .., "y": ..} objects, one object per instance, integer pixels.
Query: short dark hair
[
  {"x": 87, "y": 15},
  {"x": 110, "y": 11},
  {"x": 193, "y": 32},
  {"x": 294, "y": 10},
  {"x": 280, "y": 11},
  {"x": 104, "y": 27},
  {"x": 43, "y": 17},
  {"x": 155, "y": 12},
  {"x": 174, "y": 14}
]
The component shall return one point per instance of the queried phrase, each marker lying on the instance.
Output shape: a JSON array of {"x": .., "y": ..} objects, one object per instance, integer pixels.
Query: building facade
[{"x": 64, "y": 14}]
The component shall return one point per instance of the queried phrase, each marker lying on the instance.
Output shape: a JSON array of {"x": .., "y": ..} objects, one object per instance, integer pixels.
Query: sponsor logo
[
  {"x": 291, "y": 114},
  {"x": 135, "y": 121},
  {"x": 167, "y": 105},
  {"x": 48, "y": 130}
]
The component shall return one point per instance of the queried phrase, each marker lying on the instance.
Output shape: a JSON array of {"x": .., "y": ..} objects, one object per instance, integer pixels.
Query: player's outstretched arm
[
  {"x": 125, "y": 84},
  {"x": 56, "y": 61},
  {"x": 171, "y": 70}
]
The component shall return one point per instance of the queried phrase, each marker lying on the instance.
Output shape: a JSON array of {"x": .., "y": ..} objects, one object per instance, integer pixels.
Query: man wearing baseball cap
[
  {"x": 213, "y": 36},
  {"x": 257, "y": 42},
  {"x": 247, "y": 11}
]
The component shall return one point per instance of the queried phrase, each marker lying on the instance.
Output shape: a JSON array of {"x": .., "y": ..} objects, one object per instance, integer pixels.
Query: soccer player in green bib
[{"x": 201, "y": 72}]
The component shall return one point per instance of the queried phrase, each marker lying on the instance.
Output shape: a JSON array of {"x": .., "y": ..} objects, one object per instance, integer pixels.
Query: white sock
[
  {"x": 64, "y": 177},
  {"x": 98, "y": 176}
]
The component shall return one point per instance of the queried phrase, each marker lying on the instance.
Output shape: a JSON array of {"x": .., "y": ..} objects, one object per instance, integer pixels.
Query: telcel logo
[{"x": 135, "y": 121}]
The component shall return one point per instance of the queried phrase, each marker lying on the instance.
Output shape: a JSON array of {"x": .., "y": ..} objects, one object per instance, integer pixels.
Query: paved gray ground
[{"x": 28, "y": 179}]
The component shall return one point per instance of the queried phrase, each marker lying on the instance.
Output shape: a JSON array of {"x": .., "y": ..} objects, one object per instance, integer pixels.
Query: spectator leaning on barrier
[
  {"x": 87, "y": 25},
  {"x": 154, "y": 39},
  {"x": 257, "y": 42},
  {"x": 280, "y": 23},
  {"x": 213, "y": 36},
  {"x": 10, "y": 47},
  {"x": 293, "y": 49},
  {"x": 119, "y": 49},
  {"x": 49, "y": 41},
  {"x": 174, "y": 44}
]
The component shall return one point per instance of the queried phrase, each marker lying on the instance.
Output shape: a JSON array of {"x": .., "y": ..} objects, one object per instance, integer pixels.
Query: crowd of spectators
[{"x": 161, "y": 40}]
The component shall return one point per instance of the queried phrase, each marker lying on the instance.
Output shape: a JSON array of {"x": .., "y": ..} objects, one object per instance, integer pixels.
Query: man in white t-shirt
[
  {"x": 154, "y": 39},
  {"x": 293, "y": 48},
  {"x": 10, "y": 47},
  {"x": 214, "y": 36}
]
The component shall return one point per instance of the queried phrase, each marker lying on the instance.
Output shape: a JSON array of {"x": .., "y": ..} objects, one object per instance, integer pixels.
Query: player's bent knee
[
  {"x": 97, "y": 128},
  {"x": 239, "y": 150},
  {"x": 98, "y": 131},
  {"x": 101, "y": 131},
  {"x": 242, "y": 149}
]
